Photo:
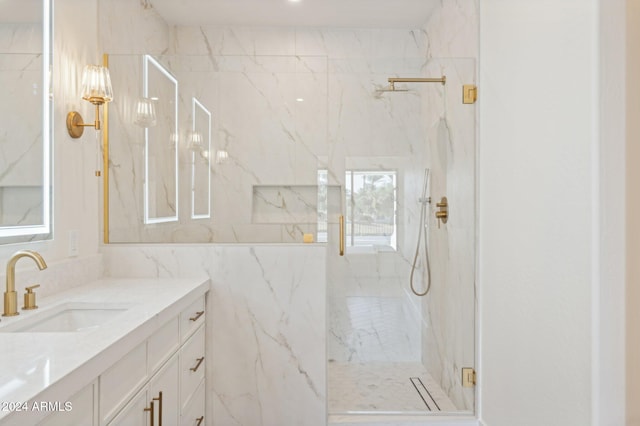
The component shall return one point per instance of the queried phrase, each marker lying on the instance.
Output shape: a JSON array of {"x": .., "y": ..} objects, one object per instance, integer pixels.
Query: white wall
[
  {"x": 608, "y": 317},
  {"x": 537, "y": 223},
  {"x": 633, "y": 212}
]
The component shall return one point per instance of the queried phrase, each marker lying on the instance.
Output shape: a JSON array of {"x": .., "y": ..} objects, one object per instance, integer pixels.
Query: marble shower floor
[{"x": 384, "y": 387}]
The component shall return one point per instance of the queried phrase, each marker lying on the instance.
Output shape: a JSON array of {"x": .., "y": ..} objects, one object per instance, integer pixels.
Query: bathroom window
[{"x": 371, "y": 210}]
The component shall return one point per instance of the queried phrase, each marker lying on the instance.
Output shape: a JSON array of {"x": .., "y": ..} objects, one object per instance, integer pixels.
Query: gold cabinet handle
[
  {"x": 159, "y": 399},
  {"x": 341, "y": 221},
  {"x": 197, "y": 317},
  {"x": 194, "y": 369},
  {"x": 151, "y": 411},
  {"x": 199, "y": 420}
]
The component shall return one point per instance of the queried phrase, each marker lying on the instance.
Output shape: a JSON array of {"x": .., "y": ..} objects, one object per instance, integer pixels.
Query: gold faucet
[{"x": 10, "y": 296}]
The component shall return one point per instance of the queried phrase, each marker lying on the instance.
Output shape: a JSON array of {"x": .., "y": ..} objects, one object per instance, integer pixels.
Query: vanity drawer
[
  {"x": 81, "y": 410},
  {"x": 192, "y": 366},
  {"x": 191, "y": 318},
  {"x": 119, "y": 382},
  {"x": 163, "y": 343},
  {"x": 194, "y": 414}
]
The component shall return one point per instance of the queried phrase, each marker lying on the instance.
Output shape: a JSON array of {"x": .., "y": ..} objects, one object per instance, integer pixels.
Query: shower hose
[{"x": 424, "y": 201}]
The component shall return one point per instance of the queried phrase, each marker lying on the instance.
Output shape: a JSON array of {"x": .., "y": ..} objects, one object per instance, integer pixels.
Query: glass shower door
[{"x": 389, "y": 350}]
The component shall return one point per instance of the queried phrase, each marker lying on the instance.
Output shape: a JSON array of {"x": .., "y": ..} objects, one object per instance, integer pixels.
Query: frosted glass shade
[
  {"x": 195, "y": 141},
  {"x": 96, "y": 85},
  {"x": 145, "y": 113}
]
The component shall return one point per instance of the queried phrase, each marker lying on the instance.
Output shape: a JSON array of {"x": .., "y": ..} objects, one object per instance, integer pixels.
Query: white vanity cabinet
[
  {"x": 110, "y": 372},
  {"x": 156, "y": 403},
  {"x": 82, "y": 409},
  {"x": 163, "y": 397}
]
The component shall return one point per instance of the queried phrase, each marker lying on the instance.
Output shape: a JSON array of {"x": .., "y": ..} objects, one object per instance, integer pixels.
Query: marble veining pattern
[
  {"x": 266, "y": 326},
  {"x": 260, "y": 72}
]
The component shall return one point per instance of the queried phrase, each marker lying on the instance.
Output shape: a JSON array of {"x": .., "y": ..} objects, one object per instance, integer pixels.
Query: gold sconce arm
[{"x": 76, "y": 124}]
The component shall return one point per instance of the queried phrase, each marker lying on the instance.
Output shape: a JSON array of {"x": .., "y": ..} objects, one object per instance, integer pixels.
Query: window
[{"x": 371, "y": 209}]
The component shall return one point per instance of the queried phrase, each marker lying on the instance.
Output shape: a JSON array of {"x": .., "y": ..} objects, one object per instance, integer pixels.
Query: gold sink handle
[{"x": 30, "y": 298}]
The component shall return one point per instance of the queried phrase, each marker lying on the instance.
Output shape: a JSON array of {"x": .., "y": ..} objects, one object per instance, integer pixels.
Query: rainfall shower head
[{"x": 392, "y": 88}]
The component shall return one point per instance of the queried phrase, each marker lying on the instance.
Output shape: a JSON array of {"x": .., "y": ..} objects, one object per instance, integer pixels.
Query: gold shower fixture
[
  {"x": 443, "y": 211},
  {"x": 393, "y": 80}
]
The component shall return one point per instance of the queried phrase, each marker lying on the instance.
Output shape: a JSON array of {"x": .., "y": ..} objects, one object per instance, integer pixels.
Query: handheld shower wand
[{"x": 424, "y": 202}]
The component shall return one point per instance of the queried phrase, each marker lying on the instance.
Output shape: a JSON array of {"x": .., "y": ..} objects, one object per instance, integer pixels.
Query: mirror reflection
[
  {"x": 161, "y": 145},
  {"x": 200, "y": 147},
  {"x": 25, "y": 131}
]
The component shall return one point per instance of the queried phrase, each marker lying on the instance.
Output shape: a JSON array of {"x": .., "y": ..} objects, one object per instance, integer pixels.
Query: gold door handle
[
  {"x": 197, "y": 317},
  {"x": 159, "y": 399},
  {"x": 151, "y": 411},
  {"x": 199, "y": 420},
  {"x": 194, "y": 369},
  {"x": 341, "y": 221}
]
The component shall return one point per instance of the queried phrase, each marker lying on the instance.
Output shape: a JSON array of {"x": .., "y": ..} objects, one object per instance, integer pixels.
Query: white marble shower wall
[
  {"x": 254, "y": 76},
  {"x": 268, "y": 116},
  {"x": 266, "y": 321},
  {"x": 448, "y": 342}
]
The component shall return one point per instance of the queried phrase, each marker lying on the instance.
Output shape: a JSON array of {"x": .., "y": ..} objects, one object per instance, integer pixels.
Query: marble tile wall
[
  {"x": 343, "y": 122},
  {"x": 449, "y": 339},
  {"x": 266, "y": 329}
]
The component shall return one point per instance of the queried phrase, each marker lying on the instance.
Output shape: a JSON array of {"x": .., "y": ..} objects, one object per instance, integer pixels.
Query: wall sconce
[
  {"x": 96, "y": 88},
  {"x": 222, "y": 156},
  {"x": 195, "y": 141},
  {"x": 145, "y": 112}
]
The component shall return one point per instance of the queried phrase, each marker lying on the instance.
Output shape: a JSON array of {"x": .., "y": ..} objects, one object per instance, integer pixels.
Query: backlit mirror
[
  {"x": 25, "y": 125},
  {"x": 161, "y": 145},
  {"x": 200, "y": 147}
]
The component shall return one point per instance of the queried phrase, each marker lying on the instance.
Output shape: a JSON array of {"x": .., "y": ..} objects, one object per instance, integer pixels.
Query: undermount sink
[{"x": 68, "y": 317}]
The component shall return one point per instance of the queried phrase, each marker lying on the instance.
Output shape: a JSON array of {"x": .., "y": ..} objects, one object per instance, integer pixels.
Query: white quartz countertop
[{"x": 31, "y": 362}]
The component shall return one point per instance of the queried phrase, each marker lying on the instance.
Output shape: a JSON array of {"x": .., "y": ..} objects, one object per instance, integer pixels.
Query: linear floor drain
[{"x": 424, "y": 393}]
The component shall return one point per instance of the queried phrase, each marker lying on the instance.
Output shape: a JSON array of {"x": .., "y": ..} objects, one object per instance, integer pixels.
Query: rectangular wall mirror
[
  {"x": 200, "y": 147},
  {"x": 25, "y": 120},
  {"x": 161, "y": 145}
]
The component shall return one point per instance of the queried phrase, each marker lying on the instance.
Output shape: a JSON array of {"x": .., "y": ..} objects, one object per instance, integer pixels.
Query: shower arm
[{"x": 394, "y": 80}]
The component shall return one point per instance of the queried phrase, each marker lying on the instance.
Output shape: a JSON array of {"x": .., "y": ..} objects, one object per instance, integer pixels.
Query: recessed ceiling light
[
  {"x": 299, "y": 99},
  {"x": 294, "y": 1}
]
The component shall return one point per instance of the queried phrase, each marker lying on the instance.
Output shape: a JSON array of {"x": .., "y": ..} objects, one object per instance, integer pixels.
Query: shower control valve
[{"x": 443, "y": 211}]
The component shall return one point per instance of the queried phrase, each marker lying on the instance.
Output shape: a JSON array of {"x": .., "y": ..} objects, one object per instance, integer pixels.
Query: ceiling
[{"x": 302, "y": 13}]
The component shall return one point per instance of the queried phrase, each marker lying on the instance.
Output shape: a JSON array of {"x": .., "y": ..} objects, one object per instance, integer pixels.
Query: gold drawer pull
[
  {"x": 199, "y": 420},
  {"x": 194, "y": 369},
  {"x": 159, "y": 399},
  {"x": 150, "y": 410},
  {"x": 197, "y": 317}
]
